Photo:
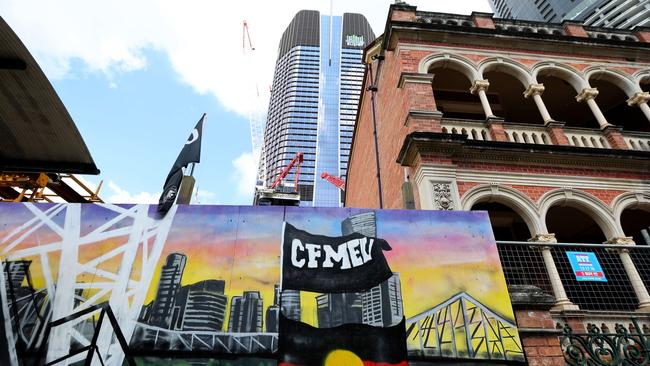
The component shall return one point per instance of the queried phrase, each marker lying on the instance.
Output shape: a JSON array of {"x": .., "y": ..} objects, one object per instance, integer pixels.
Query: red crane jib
[
  {"x": 295, "y": 161},
  {"x": 334, "y": 180}
]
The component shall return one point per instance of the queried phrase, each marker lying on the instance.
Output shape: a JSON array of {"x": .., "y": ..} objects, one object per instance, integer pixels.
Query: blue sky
[{"x": 136, "y": 76}]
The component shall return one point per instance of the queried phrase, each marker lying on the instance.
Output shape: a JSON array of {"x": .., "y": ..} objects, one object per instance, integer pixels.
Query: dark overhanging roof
[{"x": 37, "y": 133}]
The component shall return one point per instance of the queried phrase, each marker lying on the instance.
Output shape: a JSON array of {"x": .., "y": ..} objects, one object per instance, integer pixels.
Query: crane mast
[{"x": 255, "y": 116}]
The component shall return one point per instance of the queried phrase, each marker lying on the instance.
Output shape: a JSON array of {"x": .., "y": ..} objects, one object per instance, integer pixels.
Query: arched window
[
  {"x": 507, "y": 92},
  {"x": 635, "y": 222},
  {"x": 645, "y": 84},
  {"x": 507, "y": 225},
  {"x": 612, "y": 101},
  {"x": 451, "y": 86},
  {"x": 572, "y": 225},
  {"x": 559, "y": 97}
]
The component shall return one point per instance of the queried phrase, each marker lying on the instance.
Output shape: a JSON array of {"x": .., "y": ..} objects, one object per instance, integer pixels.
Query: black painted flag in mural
[
  {"x": 350, "y": 344},
  {"x": 321, "y": 263}
]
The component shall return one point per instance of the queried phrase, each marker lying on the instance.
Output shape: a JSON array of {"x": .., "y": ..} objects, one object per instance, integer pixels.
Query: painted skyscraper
[
  {"x": 595, "y": 13},
  {"x": 314, "y": 98}
]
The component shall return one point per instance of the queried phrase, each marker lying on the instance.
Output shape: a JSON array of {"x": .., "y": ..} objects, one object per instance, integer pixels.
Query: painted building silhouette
[
  {"x": 246, "y": 313},
  {"x": 168, "y": 287}
]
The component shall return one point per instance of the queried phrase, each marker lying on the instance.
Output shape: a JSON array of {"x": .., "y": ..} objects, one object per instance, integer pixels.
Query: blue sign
[{"x": 586, "y": 267}]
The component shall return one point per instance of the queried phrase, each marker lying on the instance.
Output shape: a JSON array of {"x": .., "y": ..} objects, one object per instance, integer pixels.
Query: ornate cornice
[
  {"x": 414, "y": 77},
  {"x": 461, "y": 149}
]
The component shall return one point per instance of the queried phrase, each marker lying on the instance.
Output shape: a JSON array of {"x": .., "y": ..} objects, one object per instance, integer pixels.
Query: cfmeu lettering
[{"x": 350, "y": 254}]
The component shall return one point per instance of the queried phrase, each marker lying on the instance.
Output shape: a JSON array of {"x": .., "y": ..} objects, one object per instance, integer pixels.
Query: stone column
[
  {"x": 536, "y": 90},
  {"x": 588, "y": 95},
  {"x": 641, "y": 99},
  {"x": 632, "y": 273},
  {"x": 562, "y": 302},
  {"x": 480, "y": 87}
]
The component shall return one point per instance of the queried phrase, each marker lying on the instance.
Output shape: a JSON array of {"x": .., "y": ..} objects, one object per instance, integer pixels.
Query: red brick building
[{"x": 545, "y": 126}]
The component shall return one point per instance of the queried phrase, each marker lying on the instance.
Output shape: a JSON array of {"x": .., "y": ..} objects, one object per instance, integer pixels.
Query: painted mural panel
[{"x": 205, "y": 280}]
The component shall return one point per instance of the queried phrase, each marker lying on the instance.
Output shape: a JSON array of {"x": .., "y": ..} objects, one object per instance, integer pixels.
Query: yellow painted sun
[{"x": 342, "y": 357}]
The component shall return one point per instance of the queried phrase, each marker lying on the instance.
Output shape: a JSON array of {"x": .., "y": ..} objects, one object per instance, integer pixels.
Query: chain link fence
[{"x": 523, "y": 264}]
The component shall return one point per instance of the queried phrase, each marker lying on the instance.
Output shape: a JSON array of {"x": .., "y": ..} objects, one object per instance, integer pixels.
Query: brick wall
[
  {"x": 541, "y": 348},
  {"x": 392, "y": 109},
  {"x": 575, "y": 30}
]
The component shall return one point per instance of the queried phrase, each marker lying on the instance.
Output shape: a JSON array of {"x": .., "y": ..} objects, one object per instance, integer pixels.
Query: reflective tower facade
[
  {"x": 624, "y": 14},
  {"x": 314, "y": 100}
]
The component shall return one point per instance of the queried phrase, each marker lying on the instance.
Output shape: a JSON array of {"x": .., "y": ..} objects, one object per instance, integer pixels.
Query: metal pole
[{"x": 373, "y": 90}]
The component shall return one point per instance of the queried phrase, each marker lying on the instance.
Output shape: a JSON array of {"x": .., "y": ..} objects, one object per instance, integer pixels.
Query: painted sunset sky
[{"x": 436, "y": 253}]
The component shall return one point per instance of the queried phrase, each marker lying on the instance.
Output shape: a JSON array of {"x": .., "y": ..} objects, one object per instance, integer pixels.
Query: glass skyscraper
[
  {"x": 314, "y": 99},
  {"x": 598, "y": 13}
]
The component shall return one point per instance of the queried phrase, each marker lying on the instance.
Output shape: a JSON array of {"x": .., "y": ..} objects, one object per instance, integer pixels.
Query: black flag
[
  {"x": 191, "y": 153},
  {"x": 301, "y": 344},
  {"x": 320, "y": 263}
]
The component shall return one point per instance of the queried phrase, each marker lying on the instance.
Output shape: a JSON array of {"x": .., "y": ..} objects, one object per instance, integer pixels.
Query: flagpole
[{"x": 192, "y": 170}]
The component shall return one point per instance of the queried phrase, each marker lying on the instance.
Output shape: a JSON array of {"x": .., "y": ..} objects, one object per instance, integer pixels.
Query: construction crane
[
  {"x": 255, "y": 115},
  {"x": 340, "y": 183},
  {"x": 297, "y": 160},
  {"x": 278, "y": 194}
]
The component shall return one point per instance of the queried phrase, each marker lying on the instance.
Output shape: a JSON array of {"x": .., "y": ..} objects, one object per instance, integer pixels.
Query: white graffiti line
[
  {"x": 200, "y": 340},
  {"x": 103, "y": 236},
  {"x": 53, "y": 211},
  {"x": 104, "y": 257},
  {"x": 79, "y": 337},
  {"x": 124, "y": 215},
  {"x": 90, "y": 302},
  {"x": 47, "y": 275},
  {"x": 93, "y": 285},
  {"x": 28, "y": 223},
  {"x": 47, "y": 220},
  {"x": 33, "y": 251}
]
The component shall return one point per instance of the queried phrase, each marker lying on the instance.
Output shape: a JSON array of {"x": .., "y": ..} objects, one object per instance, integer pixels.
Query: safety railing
[{"x": 525, "y": 263}]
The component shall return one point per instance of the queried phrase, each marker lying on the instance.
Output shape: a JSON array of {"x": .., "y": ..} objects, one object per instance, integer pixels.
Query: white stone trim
[
  {"x": 559, "y": 181},
  {"x": 452, "y": 61},
  {"x": 583, "y": 201},
  {"x": 426, "y": 180},
  {"x": 516, "y": 200},
  {"x": 563, "y": 71},
  {"x": 640, "y": 75},
  {"x": 629, "y": 200},
  {"x": 613, "y": 76},
  {"x": 508, "y": 66},
  {"x": 529, "y": 56}
]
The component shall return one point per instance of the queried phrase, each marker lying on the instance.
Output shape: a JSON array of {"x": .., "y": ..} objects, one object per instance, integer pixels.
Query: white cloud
[
  {"x": 204, "y": 197},
  {"x": 202, "y": 38},
  {"x": 119, "y": 195},
  {"x": 245, "y": 174}
]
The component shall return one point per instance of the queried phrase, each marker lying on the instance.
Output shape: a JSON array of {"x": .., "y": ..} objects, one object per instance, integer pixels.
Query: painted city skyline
[{"x": 215, "y": 269}]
